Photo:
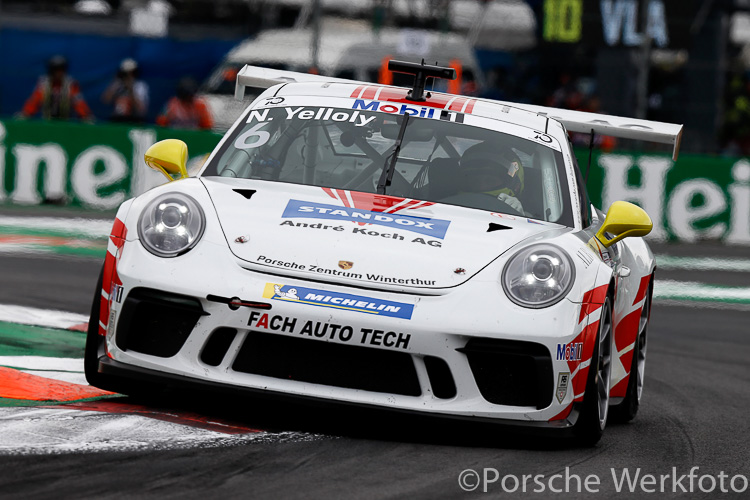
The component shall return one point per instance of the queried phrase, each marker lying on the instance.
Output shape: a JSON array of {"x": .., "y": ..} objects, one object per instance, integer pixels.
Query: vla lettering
[{"x": 620, "y": 20}]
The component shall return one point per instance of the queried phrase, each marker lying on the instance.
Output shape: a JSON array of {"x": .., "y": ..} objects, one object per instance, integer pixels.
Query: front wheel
[
  {"x": 96, "y": 348},
  {"x": 593, "y": 417},
  {"x": 94, "y": 341}
]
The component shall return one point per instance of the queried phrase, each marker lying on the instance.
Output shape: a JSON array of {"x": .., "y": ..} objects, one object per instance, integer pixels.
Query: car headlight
[
  {"x": 171, "y": 225},
  {"x": 538, "y": 276}
]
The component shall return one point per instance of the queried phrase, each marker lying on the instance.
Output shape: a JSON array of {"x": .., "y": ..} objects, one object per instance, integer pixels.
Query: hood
[{"x": 360, "y": 238}]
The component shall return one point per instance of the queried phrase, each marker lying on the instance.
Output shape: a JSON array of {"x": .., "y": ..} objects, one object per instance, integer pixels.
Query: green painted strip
[
  {"x": 98, "y": 253},
  {"x": 26, "y": 368},
  {"x": 6, "y": 402},
  {"x": 700, "y": 292},
  {"x": 76, "y": 251},
  {"x": 25, "y": 340},
  {"x": 30, "y": 231},
  {"x": 669, "y": 262}
]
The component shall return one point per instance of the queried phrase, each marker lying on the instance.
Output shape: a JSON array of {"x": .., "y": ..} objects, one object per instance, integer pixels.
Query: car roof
[
  {"x": 449, "y": 102},
  {"x": 554, "y": 121}
]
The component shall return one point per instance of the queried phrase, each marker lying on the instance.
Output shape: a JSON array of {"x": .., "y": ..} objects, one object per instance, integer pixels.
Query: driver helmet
[{"x": 492, "y": 169}]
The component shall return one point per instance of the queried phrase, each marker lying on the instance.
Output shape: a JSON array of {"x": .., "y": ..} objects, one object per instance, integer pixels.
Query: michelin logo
[
  {"x": 435, "y": 228},
  {"x": 324, "y": 298},
  {"x": 291, "y": 293}
]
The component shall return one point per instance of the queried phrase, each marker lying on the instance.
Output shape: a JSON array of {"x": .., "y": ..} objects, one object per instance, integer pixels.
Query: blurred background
[{"x": 87, "y": 85}]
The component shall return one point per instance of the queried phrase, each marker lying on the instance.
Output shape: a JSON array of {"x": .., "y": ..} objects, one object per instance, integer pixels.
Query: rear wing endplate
[{"x": 574, "y": 121}]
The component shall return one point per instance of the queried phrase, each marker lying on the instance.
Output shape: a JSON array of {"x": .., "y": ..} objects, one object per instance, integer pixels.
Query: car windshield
[{"x": 441, "y": 157}]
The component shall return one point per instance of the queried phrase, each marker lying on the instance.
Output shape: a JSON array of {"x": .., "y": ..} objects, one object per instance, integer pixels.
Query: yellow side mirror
[
  {"x": 624, "y": 220},
  {"x": 168, "y": 157}
]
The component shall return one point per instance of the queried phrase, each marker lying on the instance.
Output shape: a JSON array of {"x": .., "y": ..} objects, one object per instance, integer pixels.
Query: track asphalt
[{"x": 694, "y": 413}]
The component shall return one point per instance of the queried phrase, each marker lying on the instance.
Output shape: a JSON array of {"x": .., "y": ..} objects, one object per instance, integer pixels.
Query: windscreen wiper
[{"x": 390, "y": 163}]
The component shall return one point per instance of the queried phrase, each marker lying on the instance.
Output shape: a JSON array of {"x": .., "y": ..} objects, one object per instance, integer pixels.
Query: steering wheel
[{"x": 481, "y": 201}]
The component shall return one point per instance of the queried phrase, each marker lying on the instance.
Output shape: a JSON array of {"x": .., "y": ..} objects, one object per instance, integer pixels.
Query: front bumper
[
  {"x": 437, "y": 361},
  {"x": 160, "y": 380}
]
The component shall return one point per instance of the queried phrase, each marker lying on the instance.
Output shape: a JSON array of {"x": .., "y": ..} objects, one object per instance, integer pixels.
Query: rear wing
[
  {"x": 574, "y": 121},
  {"x": 615, "y": 126},
  {"x": 257, "y": 77}
]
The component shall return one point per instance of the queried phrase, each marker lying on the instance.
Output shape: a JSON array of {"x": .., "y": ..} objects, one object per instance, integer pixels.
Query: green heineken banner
[
  {"x": 698, "y": 197},
  {"x": 100, "y": 166},
  {"x": 93, "y": 166}
]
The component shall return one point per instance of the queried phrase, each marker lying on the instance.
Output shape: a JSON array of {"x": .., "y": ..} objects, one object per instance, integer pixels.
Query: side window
[{"x": 583, "y": 195}]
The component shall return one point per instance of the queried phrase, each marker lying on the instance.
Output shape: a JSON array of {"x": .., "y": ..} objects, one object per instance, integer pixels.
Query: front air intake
[
  {"x": 511, "y": 373},
  {"x": 328, "y": 363},
  {"x": 217, "y": 345},
  {"x": 155, "y": 322}
]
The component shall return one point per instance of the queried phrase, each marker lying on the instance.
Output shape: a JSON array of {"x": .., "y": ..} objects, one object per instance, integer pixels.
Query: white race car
[{"x": 384, "y": 247}]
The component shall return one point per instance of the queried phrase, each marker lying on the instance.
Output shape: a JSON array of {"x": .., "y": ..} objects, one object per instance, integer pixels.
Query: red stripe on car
[
  {"x": 563, "y": 414},
  {"x": 592, "y": 300},
  {"x": 626, "y": 330},
  {"x": 642, "y": 289}
]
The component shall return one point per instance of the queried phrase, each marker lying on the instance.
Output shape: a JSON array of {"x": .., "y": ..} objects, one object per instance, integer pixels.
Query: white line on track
[
  {"x": 669, "y": 262},
  {"x": 46, "y": 431},
  {"x": 43, "y": 363},
  {"x": 48, "y": 318},
  {"x": 63, "y": 369},
  {"x": 93, "y": 228},
  {"x": 70, "y": 377},
  {"x": 23, "y": 248},
  {"x": 668, "y": 289}
]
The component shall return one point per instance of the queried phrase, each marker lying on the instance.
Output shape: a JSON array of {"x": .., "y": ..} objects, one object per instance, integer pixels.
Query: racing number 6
[{"x": 262, "y": 137}]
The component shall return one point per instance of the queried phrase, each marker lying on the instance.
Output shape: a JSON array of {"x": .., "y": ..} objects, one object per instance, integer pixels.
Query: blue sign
[
  {"x": 335, "y": 300},
  {"x": 435, "y": 228}
]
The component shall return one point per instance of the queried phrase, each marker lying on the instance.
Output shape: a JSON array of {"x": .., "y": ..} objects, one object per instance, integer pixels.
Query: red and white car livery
[{"x": 346, "y": 242}]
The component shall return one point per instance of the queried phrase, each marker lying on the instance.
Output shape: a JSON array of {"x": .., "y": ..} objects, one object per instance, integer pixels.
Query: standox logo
[
  {"x": 435, "y": 228},
  {"x": 403, "y": 109}
]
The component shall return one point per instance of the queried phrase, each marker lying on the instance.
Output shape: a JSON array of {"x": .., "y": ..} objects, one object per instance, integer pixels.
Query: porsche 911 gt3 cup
[{"x": 384, "y": 247}]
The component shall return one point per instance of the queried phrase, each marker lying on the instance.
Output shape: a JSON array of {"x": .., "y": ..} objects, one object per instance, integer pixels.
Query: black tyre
[
  {"x": 592, "y": 419},
  {"x": 95, "y": 349},
  {"x": 628, "y": 408},
  {"x": 94, "y": 341}
]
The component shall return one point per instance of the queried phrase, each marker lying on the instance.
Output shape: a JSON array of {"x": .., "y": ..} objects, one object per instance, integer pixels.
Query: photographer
[{"x": 127, "y": 94}]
